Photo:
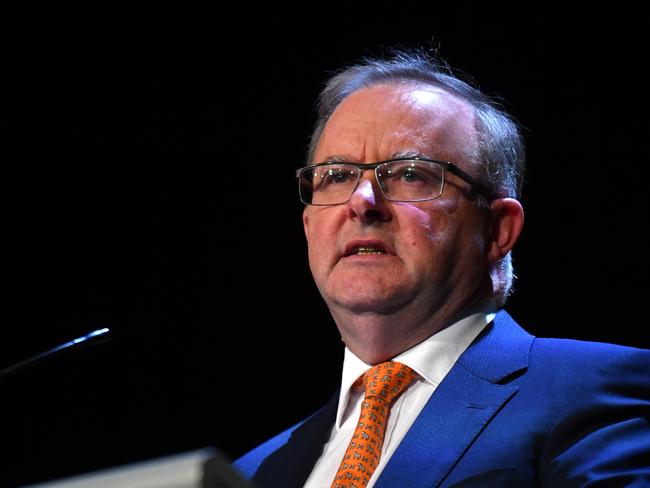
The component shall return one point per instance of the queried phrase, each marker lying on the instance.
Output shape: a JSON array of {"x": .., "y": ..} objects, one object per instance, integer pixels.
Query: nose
[{"x": 367, "y": 203}]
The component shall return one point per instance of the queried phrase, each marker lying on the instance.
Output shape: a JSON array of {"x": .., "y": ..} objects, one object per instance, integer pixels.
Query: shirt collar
[{"x": 431, "y": 359}]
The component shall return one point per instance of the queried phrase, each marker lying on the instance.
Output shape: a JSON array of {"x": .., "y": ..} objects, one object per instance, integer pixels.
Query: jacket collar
[{"x": 499, "y": 351}]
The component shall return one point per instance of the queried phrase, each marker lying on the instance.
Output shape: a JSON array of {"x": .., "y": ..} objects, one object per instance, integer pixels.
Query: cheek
[
  {"x": 426, "y": 228},
  {"x": 322, "y": 234}
]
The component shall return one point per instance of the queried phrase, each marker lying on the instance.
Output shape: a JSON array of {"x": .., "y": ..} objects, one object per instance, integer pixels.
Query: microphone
[{"x": 96, "y": 337}]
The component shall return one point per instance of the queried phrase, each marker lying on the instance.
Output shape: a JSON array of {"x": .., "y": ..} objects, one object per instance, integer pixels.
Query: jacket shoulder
[{"x": 598, "y": 355}]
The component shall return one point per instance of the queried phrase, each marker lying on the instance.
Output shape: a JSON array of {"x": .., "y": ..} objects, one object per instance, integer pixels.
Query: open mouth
[
  {"x": 365, "y": 251},
  {"x": 366, "y": 248}
]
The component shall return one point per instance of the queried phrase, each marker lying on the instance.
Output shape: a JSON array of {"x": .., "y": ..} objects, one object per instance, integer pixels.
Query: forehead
[{"x": 377, "y": 122}]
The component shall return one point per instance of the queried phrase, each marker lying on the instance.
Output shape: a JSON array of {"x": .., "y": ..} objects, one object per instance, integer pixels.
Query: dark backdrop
[{"x": 148, "y": 187}]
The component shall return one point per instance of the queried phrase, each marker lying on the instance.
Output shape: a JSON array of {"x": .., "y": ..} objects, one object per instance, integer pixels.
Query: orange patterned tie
[{"x": 384, "y": 383}]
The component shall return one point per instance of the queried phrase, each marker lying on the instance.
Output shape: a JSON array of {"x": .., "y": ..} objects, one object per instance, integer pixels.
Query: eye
[
  {"x": 411, "y": 180},
  {"x": 412, "y": 175},
  {"x": 336, "y": 176}
]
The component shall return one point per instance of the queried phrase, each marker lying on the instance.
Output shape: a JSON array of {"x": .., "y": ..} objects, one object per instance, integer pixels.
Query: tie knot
[{"x": 387, "y": 380}]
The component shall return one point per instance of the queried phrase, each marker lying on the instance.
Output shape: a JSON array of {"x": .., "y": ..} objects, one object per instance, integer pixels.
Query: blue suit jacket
[{"x": 515, "y": 410}]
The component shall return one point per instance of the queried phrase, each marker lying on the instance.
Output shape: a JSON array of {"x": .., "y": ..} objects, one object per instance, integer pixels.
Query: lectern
[{"x": 205, "y": 468}]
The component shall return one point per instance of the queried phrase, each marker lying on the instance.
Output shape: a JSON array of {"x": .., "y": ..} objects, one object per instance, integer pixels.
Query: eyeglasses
[{"x": 400, "y": 180}]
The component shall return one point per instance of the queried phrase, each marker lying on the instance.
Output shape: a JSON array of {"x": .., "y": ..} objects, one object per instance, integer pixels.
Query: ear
[
  {"x": 305, "y": 221},
  {"x": 506, "y": 226}
]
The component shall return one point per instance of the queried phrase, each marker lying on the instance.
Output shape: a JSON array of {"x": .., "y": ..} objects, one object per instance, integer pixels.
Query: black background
[{"x": 148, "y": 187}]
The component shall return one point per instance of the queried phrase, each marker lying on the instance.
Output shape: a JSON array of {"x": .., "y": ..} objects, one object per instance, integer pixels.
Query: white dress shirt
[{"x": 431, "y": 359}]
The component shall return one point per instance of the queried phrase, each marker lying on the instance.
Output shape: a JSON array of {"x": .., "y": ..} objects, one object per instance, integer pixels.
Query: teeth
[{"x": 369, "y": 250}]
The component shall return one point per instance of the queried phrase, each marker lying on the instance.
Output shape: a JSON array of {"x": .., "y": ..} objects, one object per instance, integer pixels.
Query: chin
[
  {"x": 369, "y": 303},
  {"x": 361, "y": 293}
]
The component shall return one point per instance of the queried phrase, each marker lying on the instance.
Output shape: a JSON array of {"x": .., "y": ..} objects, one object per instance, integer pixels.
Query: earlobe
[
  {"x": 507, "y": 224},
  {"x": 305, "y": 222}
]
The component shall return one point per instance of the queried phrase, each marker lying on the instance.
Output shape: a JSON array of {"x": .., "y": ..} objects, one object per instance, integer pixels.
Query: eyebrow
[
  {"x": 337, "y": 158},
  {"x": 345, "y": 158},
  {"x": 409, "y": 154}
]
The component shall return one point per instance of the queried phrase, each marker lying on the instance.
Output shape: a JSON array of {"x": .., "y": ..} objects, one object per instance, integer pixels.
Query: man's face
[{"x": 430, "y": 254}]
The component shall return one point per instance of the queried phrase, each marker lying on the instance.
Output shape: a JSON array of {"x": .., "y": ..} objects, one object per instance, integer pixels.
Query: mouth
[{"x": 367, "y": 248}]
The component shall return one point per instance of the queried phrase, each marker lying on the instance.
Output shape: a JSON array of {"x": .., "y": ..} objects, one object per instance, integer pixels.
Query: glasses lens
[
  {"x": 411, "y": 180},
  {"x": 329, "y": 184}
]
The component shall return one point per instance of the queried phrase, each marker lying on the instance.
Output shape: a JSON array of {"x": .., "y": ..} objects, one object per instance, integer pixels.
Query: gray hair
[{"x": 501, "y": 155}]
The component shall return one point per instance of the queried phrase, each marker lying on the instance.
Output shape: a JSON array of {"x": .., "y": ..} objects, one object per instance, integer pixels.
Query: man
[{"x": 411, "y": 214}]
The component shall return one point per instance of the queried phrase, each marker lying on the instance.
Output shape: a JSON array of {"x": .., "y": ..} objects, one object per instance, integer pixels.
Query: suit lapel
[
  {"x": 290, "y": 465},
  {"x": 462, "y": 405}
]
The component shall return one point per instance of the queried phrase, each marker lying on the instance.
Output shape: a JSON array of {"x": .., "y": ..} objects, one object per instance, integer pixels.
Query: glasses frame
[{"x": 476, "y": 186}]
